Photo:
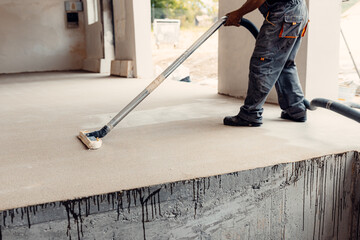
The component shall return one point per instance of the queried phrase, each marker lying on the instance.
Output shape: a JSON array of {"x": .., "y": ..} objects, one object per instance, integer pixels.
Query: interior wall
[
  {"x": 132, "y": 23},
  {"x": 323, "y": 47},
  {"x": 108, "y": 36},
  {"x": 124, "y": 30},
  {"x": 34, "y": 37},
  {"x": 235, "y": 48},
  {"x": 109, "y": 48},
  {"x": 142, "y": 25},
  {"x": 94, "y": 37},
  {"x": 94, "y": 34}
]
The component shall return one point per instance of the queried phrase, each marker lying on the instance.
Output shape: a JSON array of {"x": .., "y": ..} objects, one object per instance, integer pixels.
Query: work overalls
[{"x": 273, "y": 60}]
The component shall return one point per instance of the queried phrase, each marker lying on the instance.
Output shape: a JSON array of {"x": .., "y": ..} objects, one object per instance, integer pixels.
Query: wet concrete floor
[{"x": 175, "y": 134}]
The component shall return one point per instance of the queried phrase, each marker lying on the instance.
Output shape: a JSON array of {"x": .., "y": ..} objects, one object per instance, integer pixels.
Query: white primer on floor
[{"x": 175, "y": 134}]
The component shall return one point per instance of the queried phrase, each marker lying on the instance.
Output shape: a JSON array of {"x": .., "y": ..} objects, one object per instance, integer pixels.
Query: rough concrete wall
[
  {"x": 312, "y": 199},
  {"x": 34, "y": 37}
]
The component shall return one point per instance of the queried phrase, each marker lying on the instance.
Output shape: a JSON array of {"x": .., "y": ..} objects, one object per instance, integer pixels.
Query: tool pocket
[{"x": 291, "y": 27}]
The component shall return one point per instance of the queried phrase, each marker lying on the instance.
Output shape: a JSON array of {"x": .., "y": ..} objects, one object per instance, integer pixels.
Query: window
[{"x": 92, "y": 9}]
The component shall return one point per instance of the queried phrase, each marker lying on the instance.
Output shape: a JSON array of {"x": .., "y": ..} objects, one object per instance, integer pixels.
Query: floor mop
[{"x": 93, "y": 141}]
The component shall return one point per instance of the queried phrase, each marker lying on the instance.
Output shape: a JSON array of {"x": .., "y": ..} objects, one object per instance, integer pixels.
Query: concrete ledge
[{"x": 311, "y": 199}]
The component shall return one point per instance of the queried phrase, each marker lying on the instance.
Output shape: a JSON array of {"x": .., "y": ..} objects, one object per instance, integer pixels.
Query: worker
[{"x": 273, "y": 60}]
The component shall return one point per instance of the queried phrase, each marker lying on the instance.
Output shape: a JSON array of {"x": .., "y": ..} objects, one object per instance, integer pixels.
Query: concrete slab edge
[{"x": 315, "y": 198}]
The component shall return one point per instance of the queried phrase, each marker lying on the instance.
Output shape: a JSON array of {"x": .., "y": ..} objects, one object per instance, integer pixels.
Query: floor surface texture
[{"x": 175, "y": 134}]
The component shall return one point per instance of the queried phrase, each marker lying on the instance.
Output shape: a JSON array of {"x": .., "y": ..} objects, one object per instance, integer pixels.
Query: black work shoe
[
  {"x": 237, "y": 121},
  {"x": 285, "y": 115}
]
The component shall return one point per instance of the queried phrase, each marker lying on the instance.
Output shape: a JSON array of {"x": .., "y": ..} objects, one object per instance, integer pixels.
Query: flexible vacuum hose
[
  {"x": 339, "y": 108},
  {"x": 249, "y": 26}
]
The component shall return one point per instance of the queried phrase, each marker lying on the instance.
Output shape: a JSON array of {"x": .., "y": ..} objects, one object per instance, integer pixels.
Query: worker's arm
[{"x": 235, "y": 16}]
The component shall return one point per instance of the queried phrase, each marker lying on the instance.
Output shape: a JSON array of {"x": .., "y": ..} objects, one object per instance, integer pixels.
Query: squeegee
[{"x": 93, "y": 140}]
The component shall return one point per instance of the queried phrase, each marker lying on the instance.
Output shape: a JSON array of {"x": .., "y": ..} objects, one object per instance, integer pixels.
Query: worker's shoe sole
[
  {"x": 285, "y": 115},
  {"x": 236, "y": 121}
]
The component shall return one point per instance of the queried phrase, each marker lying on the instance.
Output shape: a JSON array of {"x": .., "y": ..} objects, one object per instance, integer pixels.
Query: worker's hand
[{"x": 234, "y": 19}]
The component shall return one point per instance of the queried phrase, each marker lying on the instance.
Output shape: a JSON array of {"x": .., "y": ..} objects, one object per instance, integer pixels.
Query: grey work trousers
[{"x": 273, "y": 60}]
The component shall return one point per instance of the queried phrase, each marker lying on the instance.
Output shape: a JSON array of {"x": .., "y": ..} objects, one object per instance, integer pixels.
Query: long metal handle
[{"x": 154, "y": 84}]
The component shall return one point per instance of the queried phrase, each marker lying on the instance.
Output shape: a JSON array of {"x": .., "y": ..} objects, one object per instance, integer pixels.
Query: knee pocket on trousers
[{"x": 261, "y": 64}]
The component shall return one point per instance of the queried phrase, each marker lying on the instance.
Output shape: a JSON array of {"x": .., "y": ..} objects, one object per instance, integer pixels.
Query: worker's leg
[
  {"x": 290, "y": 94},
  {"x": 266, "y": 64},
  {"x": 276, "y": 41}
]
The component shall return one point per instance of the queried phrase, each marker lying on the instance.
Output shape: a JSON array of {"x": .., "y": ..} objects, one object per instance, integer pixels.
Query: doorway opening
[
  {"x": 176, "y": 25},
  {"x": 349, "y": 57}
]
